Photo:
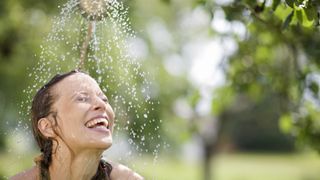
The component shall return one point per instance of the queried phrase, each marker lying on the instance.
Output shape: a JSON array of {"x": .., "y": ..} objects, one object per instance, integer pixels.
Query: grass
[
  {"x": 224, "y": 167},
  {"x": 239, "y": 167},
  {"x": 11, "y": 163},
  {"x": 267, "y": 167}
]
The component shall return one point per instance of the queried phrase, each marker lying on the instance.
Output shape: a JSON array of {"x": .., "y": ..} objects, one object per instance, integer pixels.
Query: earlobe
[{"x": 45, "y": 126}]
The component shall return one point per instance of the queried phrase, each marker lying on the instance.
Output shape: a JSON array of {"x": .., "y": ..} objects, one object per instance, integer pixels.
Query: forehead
[{"x": 77, "y": 82}]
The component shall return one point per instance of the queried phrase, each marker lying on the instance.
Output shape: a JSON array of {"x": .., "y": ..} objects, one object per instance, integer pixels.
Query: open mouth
[{"x": 100, "y": 123}]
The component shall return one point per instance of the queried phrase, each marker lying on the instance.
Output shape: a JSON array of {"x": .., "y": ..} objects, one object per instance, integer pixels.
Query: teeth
[{"x": 94, "y": 122}]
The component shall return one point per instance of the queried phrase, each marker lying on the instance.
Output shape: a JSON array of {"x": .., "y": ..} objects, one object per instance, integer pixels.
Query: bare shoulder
[
  {"x": 121, "y": 172},
  {"x": 30, "y": 174}
]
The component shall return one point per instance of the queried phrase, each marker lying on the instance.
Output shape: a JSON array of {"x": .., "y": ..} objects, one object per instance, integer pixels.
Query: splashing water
[{"x": 107, "y": 59}]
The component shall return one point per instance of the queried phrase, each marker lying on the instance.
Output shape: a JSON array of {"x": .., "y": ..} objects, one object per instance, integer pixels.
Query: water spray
[{"x": 93, "y": 10}]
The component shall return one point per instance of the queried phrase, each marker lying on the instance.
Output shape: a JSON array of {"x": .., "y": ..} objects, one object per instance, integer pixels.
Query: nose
[{"x": 99, "y": 104}]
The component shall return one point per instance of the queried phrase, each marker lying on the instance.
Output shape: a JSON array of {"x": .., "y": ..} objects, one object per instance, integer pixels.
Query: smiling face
[{"x": 84, "y": 116}]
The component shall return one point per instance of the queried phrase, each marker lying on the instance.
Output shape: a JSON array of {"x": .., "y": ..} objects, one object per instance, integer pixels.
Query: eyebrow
[
  {"x": 77, "y": 93},
  {"x": 101, "y": 93},
  {"x": 104, "y": 95},
  {"x": 86, "y": 93}
]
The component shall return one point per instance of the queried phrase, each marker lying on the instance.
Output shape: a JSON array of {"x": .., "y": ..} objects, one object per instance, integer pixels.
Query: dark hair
[{"x": 41, "y": 107}]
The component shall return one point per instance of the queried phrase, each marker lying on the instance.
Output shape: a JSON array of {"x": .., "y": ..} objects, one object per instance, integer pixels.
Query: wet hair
[{"x": 41, "y": 108}]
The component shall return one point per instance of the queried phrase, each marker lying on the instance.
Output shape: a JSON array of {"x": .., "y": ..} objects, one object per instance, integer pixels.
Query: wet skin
[{"x": 81, "y": 123}]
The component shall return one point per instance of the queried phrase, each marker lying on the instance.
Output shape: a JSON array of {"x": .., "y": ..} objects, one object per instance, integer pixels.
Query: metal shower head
[{"x": 94, "y": 10}]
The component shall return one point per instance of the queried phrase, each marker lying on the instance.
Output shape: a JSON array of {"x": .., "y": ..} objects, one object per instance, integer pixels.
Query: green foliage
[
  {"x": 222, "y": 100},
  {"x": 305, "y": 12},
  {"x": 288, "y": 20},
  {"x": 252, "y": 125},
  {"x": 270, "y": 60},
  {"x": 19, "y": 42},
  {"x": 23, "y": 30},
  {"x": 194, "y": 98},
  {"x": 285, "y": 123},
  {"x": 275, "y": 56}
]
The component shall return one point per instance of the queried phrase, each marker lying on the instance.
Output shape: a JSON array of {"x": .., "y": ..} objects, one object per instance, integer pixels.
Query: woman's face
[{"x": 84, "y": 116}]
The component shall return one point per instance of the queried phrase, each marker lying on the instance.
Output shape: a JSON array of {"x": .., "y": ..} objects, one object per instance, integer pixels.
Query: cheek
[
  {"x": 110, "y": 111},
  {"x": 111, "y": 114},
  {"x": 72, "y": 117},
  {"x": 70, "y": 127},
  {"x": 74, "y": 110}
]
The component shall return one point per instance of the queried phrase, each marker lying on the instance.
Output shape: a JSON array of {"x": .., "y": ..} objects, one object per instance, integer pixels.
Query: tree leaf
[
  {"x": 299, "y": 16},
  {"x": 275, "y": 4},
  {"x": 303, "y": 18},
  {"x": 298, "y": 2},
  {"x": 285, "y": 123},
  {"x": 290, "y": 3},
  {"x": 314, "y": 88},
  {"x": 288, "y": 20},
  {"x": 307, "y": 22},
  {"x": 311, "y": 13}
]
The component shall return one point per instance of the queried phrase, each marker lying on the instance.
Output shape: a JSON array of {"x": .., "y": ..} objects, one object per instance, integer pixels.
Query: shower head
[{"x": 94, "y": 10}]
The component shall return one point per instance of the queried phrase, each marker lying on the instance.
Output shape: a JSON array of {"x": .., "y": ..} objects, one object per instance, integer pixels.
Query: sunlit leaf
[
  {"x": 285, "y": 123},
  {"x": 282, "y": 11},
  {"x": 303, "y": 18}
]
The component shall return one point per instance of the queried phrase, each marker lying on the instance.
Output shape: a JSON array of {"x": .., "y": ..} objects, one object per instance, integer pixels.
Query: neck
[{"x": 68, "y": 165}]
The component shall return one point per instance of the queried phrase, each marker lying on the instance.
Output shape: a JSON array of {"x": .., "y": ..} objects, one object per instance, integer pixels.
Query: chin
[
  {"x": 104, "y": 143},
  {"x": 107, "y": 144}
]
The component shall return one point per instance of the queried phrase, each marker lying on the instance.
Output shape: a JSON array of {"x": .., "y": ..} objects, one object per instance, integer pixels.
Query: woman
[{"x": 72, "y": 123}]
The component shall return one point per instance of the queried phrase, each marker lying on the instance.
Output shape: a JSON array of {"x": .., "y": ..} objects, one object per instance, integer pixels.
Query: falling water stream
[{"x": 95, "y": 38}]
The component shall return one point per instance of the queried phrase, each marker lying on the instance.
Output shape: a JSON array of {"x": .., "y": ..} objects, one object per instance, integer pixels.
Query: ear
[{"x": 45, "y": 125}]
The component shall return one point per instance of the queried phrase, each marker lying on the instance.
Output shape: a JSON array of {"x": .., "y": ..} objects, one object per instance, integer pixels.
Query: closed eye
[
  {"x": 104, "y": 99},
  {"x": 82, "y": 99}
]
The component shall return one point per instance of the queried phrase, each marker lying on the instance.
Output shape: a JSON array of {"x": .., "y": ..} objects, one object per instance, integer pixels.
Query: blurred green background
[{"x": 237, "y": 81}]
